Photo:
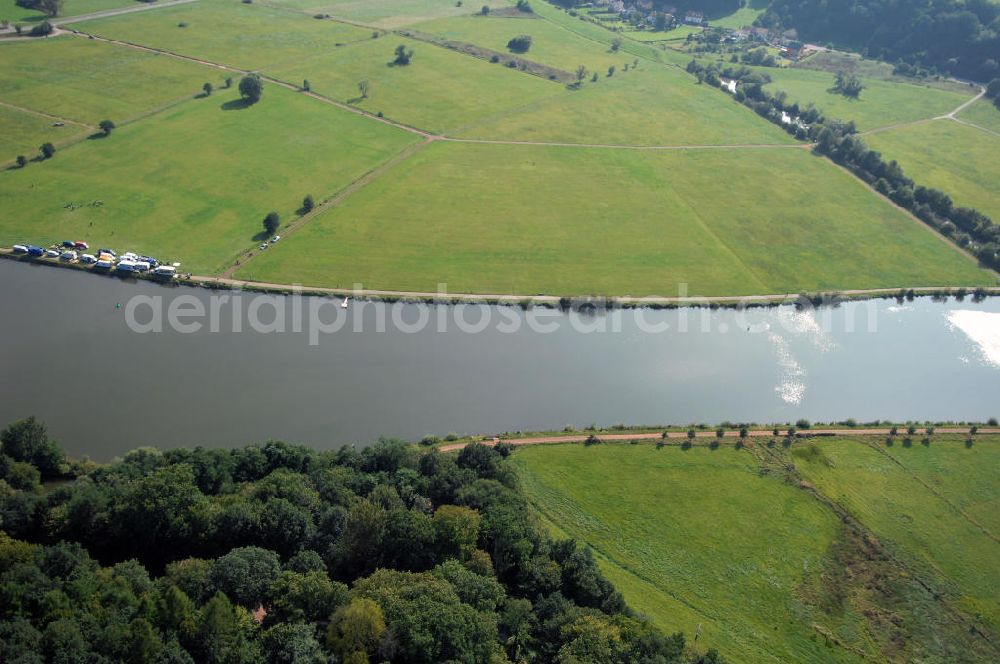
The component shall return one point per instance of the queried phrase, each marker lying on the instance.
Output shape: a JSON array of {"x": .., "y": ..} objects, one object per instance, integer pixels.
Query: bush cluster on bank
[{"x": 278, "y": 553}]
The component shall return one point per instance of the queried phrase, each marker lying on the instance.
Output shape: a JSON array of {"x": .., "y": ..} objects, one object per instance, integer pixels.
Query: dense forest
[
  {"x": 278, "y": 553},
  {"x": 958, "y": 37}
]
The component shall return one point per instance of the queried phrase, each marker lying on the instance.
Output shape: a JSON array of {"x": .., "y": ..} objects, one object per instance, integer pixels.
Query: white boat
[{"x": 343, "y": 305}]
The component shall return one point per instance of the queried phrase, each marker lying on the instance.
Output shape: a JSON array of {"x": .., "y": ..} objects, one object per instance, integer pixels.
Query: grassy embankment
[{"x": 854, "y": 552}]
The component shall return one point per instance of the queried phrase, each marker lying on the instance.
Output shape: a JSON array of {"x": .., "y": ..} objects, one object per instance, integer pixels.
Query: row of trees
[
  {"x": 968, "y": 227},
  {"x": 279, "y": 553}
]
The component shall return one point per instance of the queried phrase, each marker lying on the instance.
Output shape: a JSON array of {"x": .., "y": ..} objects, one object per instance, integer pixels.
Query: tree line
[
  {"x": 837, "y": 140},
  {"x": 959, "y": 37},
  {"x": 279, "y": 553}
]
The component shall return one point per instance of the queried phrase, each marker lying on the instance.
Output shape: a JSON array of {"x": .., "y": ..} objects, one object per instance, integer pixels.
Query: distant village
[{"x": 642, "y": 15}]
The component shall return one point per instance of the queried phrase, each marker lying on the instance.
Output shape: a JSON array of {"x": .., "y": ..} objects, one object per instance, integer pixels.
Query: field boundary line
[
  {"x": 128, "y": 9},
  {"x": 43, "y": 114},
  {"x": 975, "y": 126},
  {"x": 334, "y": 200},
  {"x": 421, "y": 132},
  {"x": 264, "y": 77},
  {"x": 934, "y": 492}
]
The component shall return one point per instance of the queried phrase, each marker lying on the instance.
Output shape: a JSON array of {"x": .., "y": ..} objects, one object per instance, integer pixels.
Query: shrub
[
  {"x": 403, "y": 55},
  {"x": 271, "y": 222},
  {"x": 803, "y": 424},
  {"x": 494, "y": 58},
  {"x": 519, "y": 44},
  {"x": 42, "y": 29},
  {"x": 251, "y": 88}
]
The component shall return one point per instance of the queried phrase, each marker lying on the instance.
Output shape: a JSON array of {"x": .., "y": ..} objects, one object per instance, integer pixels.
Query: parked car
[
  {"x": 67, "y": 243},
  {"x": 148, "y": 259},
  {"x": 127, "y": 266},
  {"x": 52, "y": 253},
  {"x": 275, "y": 238},
  {"x": 88, "y": 259},
  {"x": 68, "y": 255},
  {"x": 142, "y": 266},
  {"x": 20, "y": 249},
  {"x": 107, "y": 251},
  {"x": 35, "y": 251},
  {"x": 80, "y": 244},
  {"x": 264, "y": 246},
  {"x": 104, "y": 265},
  {"x": 167, "y": 271}
]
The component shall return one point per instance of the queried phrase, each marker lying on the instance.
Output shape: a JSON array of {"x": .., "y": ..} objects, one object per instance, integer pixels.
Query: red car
[{"x": 79, "y": 244}]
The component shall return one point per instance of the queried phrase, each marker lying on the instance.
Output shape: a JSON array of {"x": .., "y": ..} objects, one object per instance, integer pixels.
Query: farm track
[
  {"x": 947, "y": 116},
  {"x": 656, "y": 435},
  {"x": 118, "y": 11}
]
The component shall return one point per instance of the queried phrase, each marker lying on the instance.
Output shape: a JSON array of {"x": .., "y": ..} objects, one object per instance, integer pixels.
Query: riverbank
[
  {"x": 541, "y": 300},
  {"x": 675, "y": 434}
]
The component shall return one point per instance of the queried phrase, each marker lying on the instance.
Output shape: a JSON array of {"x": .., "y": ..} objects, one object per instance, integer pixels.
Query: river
[{"x": 83, "y": 353}]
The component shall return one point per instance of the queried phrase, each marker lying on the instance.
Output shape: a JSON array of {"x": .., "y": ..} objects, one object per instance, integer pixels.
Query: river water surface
[{"x": 72, "y": 357}]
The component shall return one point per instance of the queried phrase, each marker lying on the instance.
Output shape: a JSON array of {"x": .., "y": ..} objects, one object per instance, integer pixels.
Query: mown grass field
[
  {"x": 453, "y": 90},
  {"x": 89, "y": 81},
  {"x": 567, "y": 221},
  {"x": 11, "y": 12},
  {"x": 727, "y": 545},
  {"x": 700, "y": 529},
  {"x": 552, "y": 44},
  {"x": 949, "y": 156},
  {"x": 194, "y": 185},
  {"x": 391, "y": 14},
  {"x": 881, "y": 103},
  {"x": 24, "y": 132},
  {"x": 254, "y": 36},
  {"x": 984, "y": 114},
  {"x": 936, "y": 504},
  {"x": 651, "y": 105}
]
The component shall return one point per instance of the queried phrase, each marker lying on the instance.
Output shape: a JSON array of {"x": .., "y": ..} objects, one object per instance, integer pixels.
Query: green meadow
[
  {"x": 950, "y": 156},
  {"x": 568, "y": 221},
  {"x": 389, "y": 14},
  {"x": 936, "y": 504},
  {"x": 438, "y": 91},
  {"x": 882, "y": 103},
  {"x": 247, "y": 36},
  {"x": 88, "y": 81},
  {"x": 689, "y": 528},
  {"x": 24, "y": 132},
  {"x": 11, "y": 12},
  {"x": 194, "y": 185},
  {"x": 650, "y": 105},
  {"x": 728, "y": 545},
  {"x": 983, "y": 114},
  {"x": 551, "y": 45},
  {"x": 743, "y": 16}
]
